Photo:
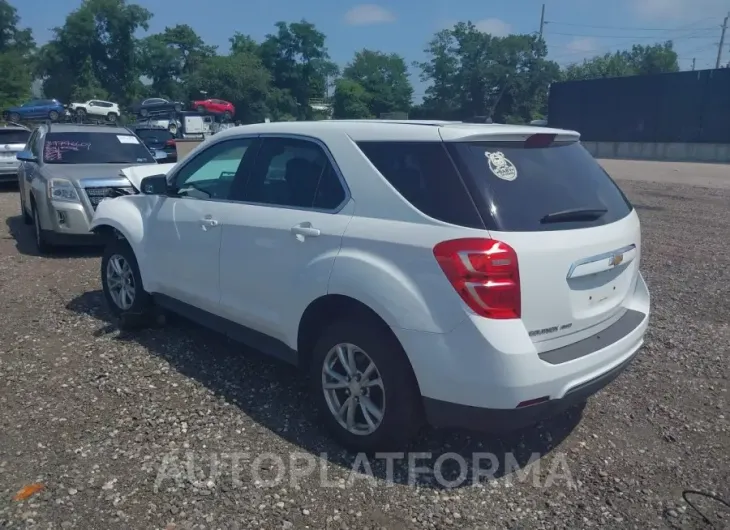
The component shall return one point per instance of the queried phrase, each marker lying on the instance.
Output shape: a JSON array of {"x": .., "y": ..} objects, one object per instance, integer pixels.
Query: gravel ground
[{"x": 161, "y": 428}]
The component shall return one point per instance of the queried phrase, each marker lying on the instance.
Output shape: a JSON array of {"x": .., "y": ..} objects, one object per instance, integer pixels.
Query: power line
[
  {"x": 628, "y": 36},
  {"x": 618, "y": 28}
]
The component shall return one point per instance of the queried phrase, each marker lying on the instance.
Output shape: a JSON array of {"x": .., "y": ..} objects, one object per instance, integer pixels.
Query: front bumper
[
  {"x": 66, "y": 223},
  {"x": 468, "y": 382}
]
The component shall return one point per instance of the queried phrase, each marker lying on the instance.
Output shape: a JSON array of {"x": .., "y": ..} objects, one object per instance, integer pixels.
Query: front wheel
[
  {"x": 227, "y": 115},
  {"x": 14, "y": 116},
  {"x": 112, "y": 117},
  {"x": 177, "y": 107},
  {"x": 365, "y": 388},
  {"x": 122, "y": 282},
  {"x": 53, "y": 115},
  {"x": 41, "y": 241},
  {"x": 27, "y": 218}
]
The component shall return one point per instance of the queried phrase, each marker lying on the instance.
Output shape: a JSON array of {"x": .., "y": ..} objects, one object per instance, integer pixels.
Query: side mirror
[
  {"x": 154, "y": 185},
  {"x": 26, "y": 156}
]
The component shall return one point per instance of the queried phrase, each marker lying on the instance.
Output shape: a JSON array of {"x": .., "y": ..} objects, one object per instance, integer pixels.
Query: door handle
[
  {"x": 208, "y": 221},
  {"x": 305, "y": 230}
]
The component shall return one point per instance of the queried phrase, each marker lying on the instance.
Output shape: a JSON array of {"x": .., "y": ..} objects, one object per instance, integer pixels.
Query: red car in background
[{"x": 215, "y": 106}]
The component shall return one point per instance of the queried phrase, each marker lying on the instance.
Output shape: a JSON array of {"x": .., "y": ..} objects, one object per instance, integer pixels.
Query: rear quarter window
[
  {"x": 546, "y": 180},
  {"x": 425, "y": 176}
]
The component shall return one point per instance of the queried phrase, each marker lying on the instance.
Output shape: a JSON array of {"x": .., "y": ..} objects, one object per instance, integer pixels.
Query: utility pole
[
  {"x": 693, "y": 63},
  {"x": 722, "y": 42},
  {"x": 542, "y": 20}
]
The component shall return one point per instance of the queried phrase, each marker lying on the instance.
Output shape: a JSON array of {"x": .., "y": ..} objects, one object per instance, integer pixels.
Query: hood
[
  {"x": 76, "y": 172},
  {"x": 135, "y": 174}
]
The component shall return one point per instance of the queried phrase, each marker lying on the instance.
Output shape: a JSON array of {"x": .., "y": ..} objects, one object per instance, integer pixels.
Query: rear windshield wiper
[{"x": 575, "y": 214}]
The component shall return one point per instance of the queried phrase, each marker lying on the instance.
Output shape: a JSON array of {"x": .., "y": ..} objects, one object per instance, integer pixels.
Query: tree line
[{"x": 96, "y": 54}]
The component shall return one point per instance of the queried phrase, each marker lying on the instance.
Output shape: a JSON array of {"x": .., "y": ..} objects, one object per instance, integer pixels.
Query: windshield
[
  {"x": 527, "y": 189},
  {"x": 14, "y": 136},
  {"x": 95, "y": 148}
]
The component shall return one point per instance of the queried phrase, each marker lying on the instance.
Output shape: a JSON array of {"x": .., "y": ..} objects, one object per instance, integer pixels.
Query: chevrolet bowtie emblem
[{"x": 615, "y": 260}]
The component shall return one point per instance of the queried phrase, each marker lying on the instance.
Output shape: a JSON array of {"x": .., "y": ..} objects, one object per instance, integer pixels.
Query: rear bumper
[
  {"x": 9, "y": 171},
  {"x": 477, "y": 375},
  {"x": 445, "y": 414}
]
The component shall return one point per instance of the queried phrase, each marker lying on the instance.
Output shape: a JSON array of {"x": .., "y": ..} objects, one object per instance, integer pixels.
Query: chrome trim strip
[
  {"x": 599, "y": 257},
  {"x": 111, "y": 182}
]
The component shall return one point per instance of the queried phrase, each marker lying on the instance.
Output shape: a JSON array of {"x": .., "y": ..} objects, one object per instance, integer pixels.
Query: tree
[
  {"x": 168, "y": 58},
  {"x": 16, "y": 57},
  {"x": 101, "y": 32},
  {"x": 300, "y": 66},
  {"x": 351, "y": 100},
  {"x": 385, "y": 79},
  {"x": 640, "y": 60},
  {"x": 239, "y": 78},
  {"x": 473, "y": 73}
]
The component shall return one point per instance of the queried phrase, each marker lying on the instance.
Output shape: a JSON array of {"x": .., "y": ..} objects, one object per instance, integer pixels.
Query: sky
[{"x": 574, "y": 29}]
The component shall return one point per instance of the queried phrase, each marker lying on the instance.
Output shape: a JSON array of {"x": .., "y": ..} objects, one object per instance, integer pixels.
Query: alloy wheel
[
  {"x": 120, "y": 282},
  {"x": 353, "y": 389}
]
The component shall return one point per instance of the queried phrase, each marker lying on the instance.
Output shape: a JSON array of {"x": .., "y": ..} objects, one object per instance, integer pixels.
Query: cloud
[
  {"x": 678, "y": 10},
  {"x": 368, "y": 14},
  {"x": 494, "y": 26}
]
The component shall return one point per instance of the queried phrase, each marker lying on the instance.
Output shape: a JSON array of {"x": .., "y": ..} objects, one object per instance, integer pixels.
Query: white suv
[
  {"x": 462, "y": 275},
  {"x": 96, "y": 107}
]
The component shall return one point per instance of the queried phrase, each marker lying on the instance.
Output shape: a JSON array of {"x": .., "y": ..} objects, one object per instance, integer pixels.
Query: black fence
[{"x": 689, "y": 107}]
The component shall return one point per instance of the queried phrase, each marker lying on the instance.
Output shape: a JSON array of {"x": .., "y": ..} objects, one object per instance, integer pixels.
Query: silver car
[
  {"x": 13, "y": 138},
  {"x": 66, "y": 170}
]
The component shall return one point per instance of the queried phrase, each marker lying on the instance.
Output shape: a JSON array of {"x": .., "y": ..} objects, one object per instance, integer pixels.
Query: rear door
[
  {"x": 281, "y": 239},
  {"x": 576, "y": 235}
]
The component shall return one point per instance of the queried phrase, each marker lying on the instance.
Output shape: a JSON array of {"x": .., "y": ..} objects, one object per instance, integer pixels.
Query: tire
[
  {"x": 144, "y": 112},
  {"x": 402, "y": 414},
  {"x": 41, "y": 241},
  {"x": 112, "y": 117},
  {"x": 200, "y": 109},
  {"x": 81, "y": 113},
  {"x": 177, "y": 107},
  {"x": 227, "y": 116},
  {"x": 53, "y": 115},
  {"x": 14, "y": 116},
  {"x": 131, "y": 314},
  {"x": 27, "y": 218}
]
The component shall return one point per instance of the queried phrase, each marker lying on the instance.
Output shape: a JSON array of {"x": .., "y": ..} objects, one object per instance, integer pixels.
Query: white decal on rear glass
[
  {"x": 501, "y": 166},
  {"x": 127, "y": 139}
]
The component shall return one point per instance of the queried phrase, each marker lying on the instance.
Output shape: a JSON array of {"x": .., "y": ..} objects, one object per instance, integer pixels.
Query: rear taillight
[
  {"x": 485, "y": 274},
  {"x": 170, "y": 143}
]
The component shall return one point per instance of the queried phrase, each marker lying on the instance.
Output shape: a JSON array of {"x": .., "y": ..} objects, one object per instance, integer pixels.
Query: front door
[{"x": 184, "y": 234}]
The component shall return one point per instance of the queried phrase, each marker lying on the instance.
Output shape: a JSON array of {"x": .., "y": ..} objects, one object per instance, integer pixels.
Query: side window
[
  {"x": 294, "y": 173},
  {"x": 424, "y": 175},
  {"x": 210, "y": 174}
]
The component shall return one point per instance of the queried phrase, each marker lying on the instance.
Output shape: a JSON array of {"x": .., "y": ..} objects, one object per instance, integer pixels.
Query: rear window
[
  {"x": 154, "y": 136},
  {"x": 14, "y": 136},
  {"x": 529, "y": 189},
  {"x": 425, "y": 176},
  {"x": 95, "y": 148}
]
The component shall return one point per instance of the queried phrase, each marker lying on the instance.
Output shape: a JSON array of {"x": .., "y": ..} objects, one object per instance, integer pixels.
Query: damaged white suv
[{"x": 462, "y": 275}]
